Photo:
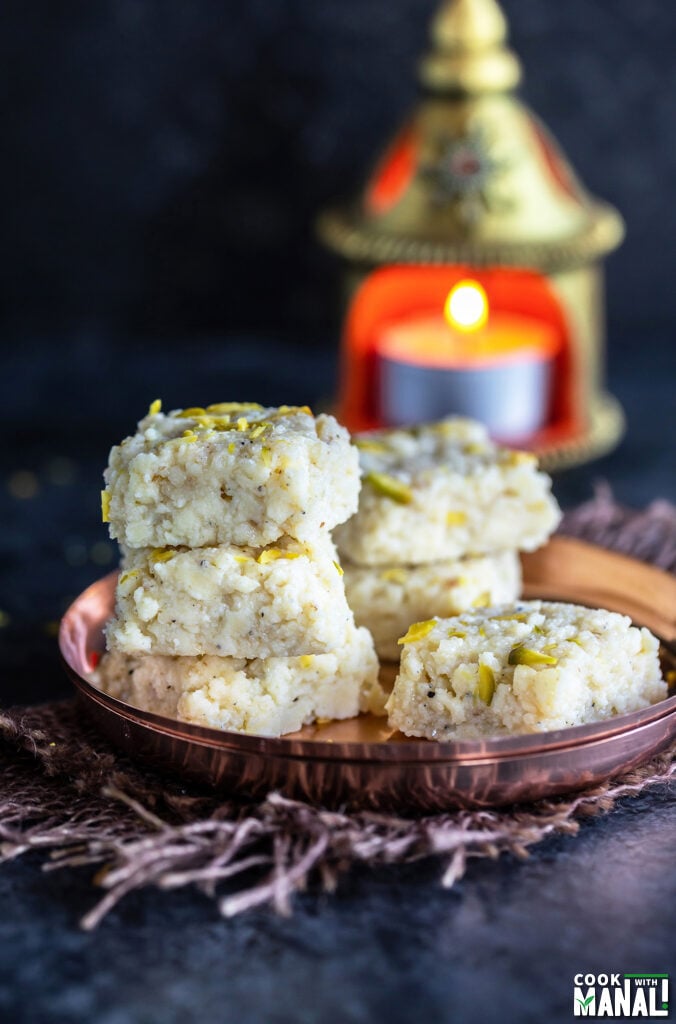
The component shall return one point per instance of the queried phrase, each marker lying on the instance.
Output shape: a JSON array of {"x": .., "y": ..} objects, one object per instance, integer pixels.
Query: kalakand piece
[
  {"x": 442, "y": 491},
  {"x": 522, "y": 668},
  {"x": 387, "y": 599},
  {"x": 234, "y": 473},
  {"x": 230, "y": 601},
  {"x": 263, "y": 697}
]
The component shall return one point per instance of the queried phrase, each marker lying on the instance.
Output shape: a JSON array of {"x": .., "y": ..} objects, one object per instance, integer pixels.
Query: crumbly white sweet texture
[
  {"x": 230, "y": 601},
  {"x": 234, "y": 473},
  {"x": 388, "y": 599},
  {"x": 264, "y": 697},
  {"x": 443, "y": 491},
  {"x": 522, "y": 668}
]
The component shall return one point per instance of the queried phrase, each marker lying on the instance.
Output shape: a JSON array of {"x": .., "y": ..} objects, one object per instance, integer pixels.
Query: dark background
[
  {"x": 163, "y": 161},
  {"x": 162, "y": 165}
]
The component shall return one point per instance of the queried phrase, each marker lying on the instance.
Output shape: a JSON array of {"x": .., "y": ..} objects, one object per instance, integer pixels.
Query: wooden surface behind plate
[{"x": 570, "y": 570}]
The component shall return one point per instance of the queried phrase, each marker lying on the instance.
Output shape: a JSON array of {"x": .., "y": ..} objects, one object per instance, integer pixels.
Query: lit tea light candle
[{"x": 494, "y": 366}]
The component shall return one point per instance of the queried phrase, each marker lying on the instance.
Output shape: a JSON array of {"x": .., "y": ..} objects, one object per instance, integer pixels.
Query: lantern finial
[{"x": 469, "y": 54}]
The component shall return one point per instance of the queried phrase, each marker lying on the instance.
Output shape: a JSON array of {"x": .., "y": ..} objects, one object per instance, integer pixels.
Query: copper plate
[{"x": 362, "y": 762}]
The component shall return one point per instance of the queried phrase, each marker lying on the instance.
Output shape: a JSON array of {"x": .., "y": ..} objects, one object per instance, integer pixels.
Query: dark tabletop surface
[{"x": 504, "y": 945}]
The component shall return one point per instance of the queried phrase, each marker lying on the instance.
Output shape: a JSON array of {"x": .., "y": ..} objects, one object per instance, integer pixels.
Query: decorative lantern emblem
[{"x": 475, "y": 191}]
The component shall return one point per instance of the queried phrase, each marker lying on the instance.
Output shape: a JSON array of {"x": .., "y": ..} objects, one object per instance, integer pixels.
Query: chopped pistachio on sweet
[
  {"x": 189, "y": 414},
  {"x": 105, "y": 506},
  {"x": 242, "y": 423},
  {"x": 259, "y": 429},
  {"x": 231, "y": 447},
  {"x": 456, "y": 518},
  {"x": 291, "y": 410},
  {"x": 243, "y": 558},
  {"x": 417, "y": 631},
  {"x": 339, "y": 569},
  {"x": 266, "y": 456},
  {"x": 516, "y": 617},
  {"x": 520, "y": 458},
  {"x": 155, "y": 407},
  {"x": 521, "y": 655},
  {"x": 390, "y": 487},
  {"x": 306, "y": 660},
  {"x": 457, "y": 633},
  {"x": 213, "y": 423},
  {"x": 482, "y": 601},
  {"x": 225, "y": 408},
  {"x": 161, "y": 555},
  {"x": 130, "y": 574},
  {"x": 364, "y": 445},
  {"x": 486, "y": 687},
  {"x": 273, "y": 554},
  {"x": 395, "y": 575}
]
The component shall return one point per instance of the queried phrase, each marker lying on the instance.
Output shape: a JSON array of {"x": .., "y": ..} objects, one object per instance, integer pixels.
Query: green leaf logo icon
[{"x": 585, "y": 1002}]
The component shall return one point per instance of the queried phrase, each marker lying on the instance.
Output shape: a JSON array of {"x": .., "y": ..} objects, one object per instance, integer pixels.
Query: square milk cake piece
[
  {"x": 264, "y": 697},
  {"x": 443, "y": 491},
  {"x": 230, "y": 601},
  {"x": 234, "y": 473},
  {"x": 522, "y": 668},
  {"x": 386, "y": 599}
]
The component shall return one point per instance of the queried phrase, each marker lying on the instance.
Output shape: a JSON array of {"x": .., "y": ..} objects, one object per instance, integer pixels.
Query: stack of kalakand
[
  {"x": 230, "y": 606},
  {"x": 443, "y": 513}
]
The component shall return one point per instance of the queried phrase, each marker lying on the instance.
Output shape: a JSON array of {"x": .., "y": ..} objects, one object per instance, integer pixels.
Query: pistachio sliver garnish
[
  {"x": 390, "y": 487},
  {"x": 516, "y": 458},
  {"x": 456, "y": 518},
  {"x": 225, "y": 408},
  {"x": 189, "y": 414},
  {"x": 259, "y": 428},
  {"x": 292, "y": 410},
  {"x": 521, "y": 655},
  {"x": 394, "y": 575},
  {"x": 161, "y": 555},
  {"x": 155, "y": 407},
  {"x": 417, "y": 631},
  {"x": 105, "y": 506},
  {"x": 273, "y": 554},
  {"x": 486, "y": 687},
  {"x": 365, "y": 445}
]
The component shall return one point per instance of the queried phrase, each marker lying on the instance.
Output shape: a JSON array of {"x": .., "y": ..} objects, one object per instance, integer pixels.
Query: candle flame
[{"x": 466, "y": 306}]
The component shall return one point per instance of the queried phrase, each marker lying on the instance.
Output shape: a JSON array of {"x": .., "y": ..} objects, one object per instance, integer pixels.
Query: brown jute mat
[{"x": 65, "y": 792}]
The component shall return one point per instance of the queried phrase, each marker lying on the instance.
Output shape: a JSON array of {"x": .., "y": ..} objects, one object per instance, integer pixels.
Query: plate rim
[{"x": 416, "y": 750}]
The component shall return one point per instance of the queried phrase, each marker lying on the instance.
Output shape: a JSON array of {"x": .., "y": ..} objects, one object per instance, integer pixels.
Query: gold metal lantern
[{"x": 473, "y": 256}]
